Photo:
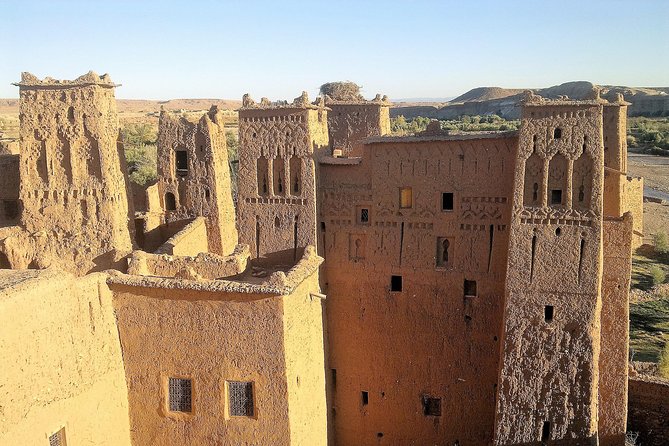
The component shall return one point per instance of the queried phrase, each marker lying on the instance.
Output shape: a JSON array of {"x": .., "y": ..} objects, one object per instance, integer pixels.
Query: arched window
[
  {"x": 279, "y": 176},
  {"x": 534, "y": 167},
  {"x": 170, "y": 202},
  {"x": 557, "y": 180},
  {"x": 263, "y": 186},
  {"x": 295, "y": 167},
  {"x": 582, "y": 182},
  {"x": 443, "y": 255}
]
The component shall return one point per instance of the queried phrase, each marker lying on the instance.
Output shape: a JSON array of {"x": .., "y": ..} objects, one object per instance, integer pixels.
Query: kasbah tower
[{"x": 360, "y": 288}]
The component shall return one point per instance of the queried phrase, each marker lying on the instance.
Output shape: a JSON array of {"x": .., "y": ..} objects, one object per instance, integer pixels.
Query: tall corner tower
[
  {"x": 73, "y": 189},
  {"x": 548, "y": 383},
  {"x": 279, "y": 147}
]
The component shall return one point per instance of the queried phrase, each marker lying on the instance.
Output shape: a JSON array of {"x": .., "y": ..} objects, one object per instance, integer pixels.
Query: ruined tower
[
  {"x": 73, "y": 189},
  {"x": 548, "y": 384},
  {"x": 194, "y": 176},
  {"x": 351, "y": 121},
  {"x": 279, "y": 144},
  {"x": 622, "y": 192}
]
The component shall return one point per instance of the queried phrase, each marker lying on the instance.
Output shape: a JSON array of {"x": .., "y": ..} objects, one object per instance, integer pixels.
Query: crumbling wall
[
  {"x": 190, "y": 241},
  {"x": 73, "y": 189},
  {"x": 62, "y": 361},
  {"x": 614, "y": 351},
  {"x": 10, "y": 206},
  {"x": 649, "y": 410},
  {"x": 194, "y": 176},
  {"x": 204, "y": 265},
  {"x": 278, "y": 146},
  {"x": 432, "y": 338},
  {"x": 548, "y": 382}
]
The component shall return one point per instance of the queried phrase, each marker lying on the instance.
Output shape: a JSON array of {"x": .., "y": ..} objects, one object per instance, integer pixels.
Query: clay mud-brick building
[
  {"x": 279, "y": 147},
  {"x": 477, "y": 284},
  {"x": 74, "y": 210},
  {"x": 194, "y": 176}
]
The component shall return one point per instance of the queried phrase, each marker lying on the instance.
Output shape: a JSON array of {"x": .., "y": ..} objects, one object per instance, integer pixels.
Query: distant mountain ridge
[{"x": 505, "y": 102}]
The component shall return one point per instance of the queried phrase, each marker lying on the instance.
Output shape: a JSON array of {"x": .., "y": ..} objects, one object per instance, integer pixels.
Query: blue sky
[{"x": 207, "y": 49}]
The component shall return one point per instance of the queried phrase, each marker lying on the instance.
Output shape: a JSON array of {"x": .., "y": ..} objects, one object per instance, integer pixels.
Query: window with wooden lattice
[{"x": 57, "y": 438}]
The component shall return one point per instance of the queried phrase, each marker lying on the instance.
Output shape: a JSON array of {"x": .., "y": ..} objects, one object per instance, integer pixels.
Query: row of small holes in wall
[{"x": 469, "y": 286}]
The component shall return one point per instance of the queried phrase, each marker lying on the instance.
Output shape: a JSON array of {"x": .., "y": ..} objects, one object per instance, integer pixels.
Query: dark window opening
[
  {"x": 546, "y": 431},
  {"x": 207, "y": 194},
  {"x": 581, "y": 193},
  {"x": 447, "y": 201},
  {"x": 535, "y": 192},
  {"x": 70, "y": 113},
  {"x": 181, "y": 158},
  {"x": 556, "y": 196},
  {"x": 558, "y": 231},
  {"x": 379, "y": 434},
  {"x": 442, "y": 251},
  {"x": 365, "y": 398},
  {"x": 180, "y": 393},
  {"x": 548, "y": 313},
  {"x": 240, "y": 396},
  {"x": 11, "y": 208},
  {"x": 431, "y": 406},
  {"x": 364, "y": 215},
  {"x": 322, "y": 226},
  {"x": 395, "y": 283},
  {"x": 333, "y": 372},
  {"x": 557, "y": 134},
  {"x": 470, "y": 287},
  {"x": 170, "y": 202}
]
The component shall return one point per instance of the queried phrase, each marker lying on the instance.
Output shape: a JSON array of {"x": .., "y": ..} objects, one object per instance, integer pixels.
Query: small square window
[
  {"x": 365, "y": 398},
  {"x": 395, "y": 283},
  {"x": 180, "y": 394},
  {"x": 363, "y": 215},
  {"x": 556, "y": 196},
  {"x": 548, "y": 313},
  {"x": 447, "y": 201},
  {"x": 181, "y": 158},
  {"x": 431, "y": 406},
  {"x": 470, "y": 288},
  {"x": 406, "y": 198},
  {"x": 57, "y": 438},
  {"x": 240, "y": 396},
  {"x": 557, "y": 133}
]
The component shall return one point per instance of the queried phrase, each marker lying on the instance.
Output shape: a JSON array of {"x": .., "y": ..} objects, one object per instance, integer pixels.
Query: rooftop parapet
[
  {"x": 382, "y": 101},
  {"x": 29, "y": 80},
  {"x": 278, "y": 283},
  {"x": 445, "y": 136},
  {"x": 300, "y": 102}
]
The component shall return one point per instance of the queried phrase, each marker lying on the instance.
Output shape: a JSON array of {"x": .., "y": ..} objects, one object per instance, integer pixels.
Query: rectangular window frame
[
  {"x": 181, "y": 163},
  {"x": 443, "y": 203},
  {"x": 174, "y": 380},
  {"x": 228, "y": 400},
  {"x": 406, "y": 197}
]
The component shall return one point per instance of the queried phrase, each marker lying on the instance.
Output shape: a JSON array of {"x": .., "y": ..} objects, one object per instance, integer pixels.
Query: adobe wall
[
  {"x": 217, "y": 331},
  {"x": 614, "y": 350},
  {"x": 428, "y": 340},
  {"x": 10, "y": 207},
  {"x": 62, "y": 357},
  {"x": 194, "y": 175},
  {"x": 73, "y": 187},
  {"x": 190, "y": 241},
  {"x": 278, "y": 148},
  {"x": 649, "y": 409},
  {"x": 548, "y": 382},
  {"x": 350, "y": 122},
  {"x": 203, "y": 265}
]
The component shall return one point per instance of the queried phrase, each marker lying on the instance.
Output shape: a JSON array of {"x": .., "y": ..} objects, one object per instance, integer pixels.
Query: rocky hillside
[{"x": 505, "y": 102}]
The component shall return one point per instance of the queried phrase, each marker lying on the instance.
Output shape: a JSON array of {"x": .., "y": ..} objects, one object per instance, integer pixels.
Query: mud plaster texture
[
  {"x": 649, "y": 409},
  {"x": 476, "y": 283},
  {"x": 73, "y": 189}
]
